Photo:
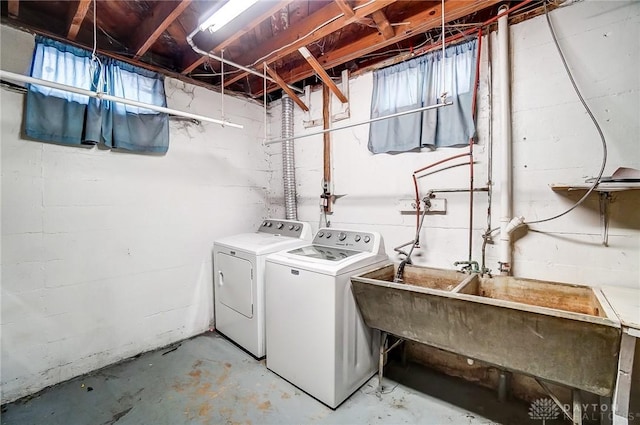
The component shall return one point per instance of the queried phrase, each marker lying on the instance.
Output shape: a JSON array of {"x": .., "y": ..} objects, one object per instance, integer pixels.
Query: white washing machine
[
  {"x": 239, "y": 263},
  {"x": 316, "y": 338}
]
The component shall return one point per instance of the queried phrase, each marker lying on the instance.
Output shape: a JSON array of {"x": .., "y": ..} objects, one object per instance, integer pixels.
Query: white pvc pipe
[
  {"x": 386, "y": 117},
  {"x": 228, "y": 62},
  {"x": 504, "y": 77},
  {"x": 98, "y": 95}
]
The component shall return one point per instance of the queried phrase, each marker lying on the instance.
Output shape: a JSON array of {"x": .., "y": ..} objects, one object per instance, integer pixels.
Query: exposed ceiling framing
[
  {"x": 301, "y": 41},
  {"x": 77, "y": 16}
]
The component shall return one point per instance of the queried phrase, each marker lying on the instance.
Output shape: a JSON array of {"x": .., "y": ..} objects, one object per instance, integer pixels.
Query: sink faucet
[
  {"x": 468, "y": 266},
  {"x": 400, "y": 273}
]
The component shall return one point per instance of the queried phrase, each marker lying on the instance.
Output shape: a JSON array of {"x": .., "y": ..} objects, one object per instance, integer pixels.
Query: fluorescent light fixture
[{"x": 226, "y": 14}]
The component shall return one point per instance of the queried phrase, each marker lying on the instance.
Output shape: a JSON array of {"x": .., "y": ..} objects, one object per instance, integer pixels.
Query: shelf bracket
[{"x": 605, "y": 201}]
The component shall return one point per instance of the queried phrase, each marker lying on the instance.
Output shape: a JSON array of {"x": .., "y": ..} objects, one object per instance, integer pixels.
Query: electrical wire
[
  {"x": 443, "y": 96},
  {"x": 593, "y": 119},
  {"x": 286, "y": 46},
  {"x": 297, "y": 40},
  {"x": 95, "y": 37},
  {"x": 94, "y": 58}
]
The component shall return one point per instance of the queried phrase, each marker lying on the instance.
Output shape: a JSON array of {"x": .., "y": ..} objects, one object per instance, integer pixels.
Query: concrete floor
[{"x": 208, "y": 380}]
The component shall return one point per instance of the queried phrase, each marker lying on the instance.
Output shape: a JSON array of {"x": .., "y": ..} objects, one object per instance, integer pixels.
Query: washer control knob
[
  {"x": 367, "y": 239},
  {"x": 291, "y": 227},
  {"x": 264, "y": 223},
  {"x": 269, "y": 224},
  {"x": 320, "y": 234},
  {"x": 328, "y": 235},
  {"x": 297, "y": 228},
  {"x": 280, "y": 225},
  {"x": 342, "y": 236},
  {"x": 357, "y": 238}
]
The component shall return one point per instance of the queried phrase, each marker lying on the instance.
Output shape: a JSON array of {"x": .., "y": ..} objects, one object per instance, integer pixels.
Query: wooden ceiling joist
[
  {"x": 286, "y": 89},
  {"x": 296, "y": 35},
  {"x": 322, "y": 74},
  {"x": 152, "y": 27},
  {"x": 76, "y": 17},
  {"x": 13, "y": 8},
  {"x": 346, "y": 9},
  {"x": 420, "y": 22},
  {"x": 177, "y": 32},
  {"x": 232, "y": 38},
  {"x": 383, "y": 24}
]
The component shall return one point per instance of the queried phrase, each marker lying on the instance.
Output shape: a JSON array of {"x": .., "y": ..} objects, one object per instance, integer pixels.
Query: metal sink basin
[{"x": 553, "y": 295}]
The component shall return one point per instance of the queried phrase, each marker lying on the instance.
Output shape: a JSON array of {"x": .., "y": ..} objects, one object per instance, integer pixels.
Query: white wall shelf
[
  {"x": 604, "y": 191},
  {"x": 602, "y": 187}
]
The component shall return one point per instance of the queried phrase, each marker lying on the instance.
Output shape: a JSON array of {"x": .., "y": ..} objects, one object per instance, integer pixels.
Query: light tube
[{"x": 226, "y": 14}]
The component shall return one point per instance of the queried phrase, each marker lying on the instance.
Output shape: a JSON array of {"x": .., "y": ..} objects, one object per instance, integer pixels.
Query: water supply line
[
  {"x": 506, "y": 184},
  {"x": 474, "y": 110},
  {"x": 414, "y": 243},
  {"x": 288, "y": 160}
]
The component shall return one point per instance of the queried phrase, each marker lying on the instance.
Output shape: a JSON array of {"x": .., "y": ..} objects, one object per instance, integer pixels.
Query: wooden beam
[
  {"x": 420, "y": 22},
  {"x": 177, "y": 32},
  {"x": 152, "y": 27},
  {"x": 346, "y": 9},
  {"x": 235, "y": 36},
  {"x": 383, "y": 24},
  {"x": 326, "y": 123},
  {"x": 76, "y": 17},
  {"x": 322, "y": 74},
  {"x": 296, "y": 36},
  {"x": 287, "y": 90},
  {"x": 13, "y": 8}
]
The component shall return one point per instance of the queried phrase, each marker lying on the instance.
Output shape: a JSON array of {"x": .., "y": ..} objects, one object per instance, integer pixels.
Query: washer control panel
[
  {"x": 350, "y": 239},
  {"x": 289, "y": 228}
]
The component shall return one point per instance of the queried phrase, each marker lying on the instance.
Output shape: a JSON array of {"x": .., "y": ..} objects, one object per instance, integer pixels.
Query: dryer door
[{"x": 235, "y": 283}]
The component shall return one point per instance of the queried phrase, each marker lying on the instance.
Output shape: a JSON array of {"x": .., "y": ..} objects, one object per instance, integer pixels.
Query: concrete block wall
[
  {"x": 554, "y": 141},
  {"x": 108, "y": 254}
]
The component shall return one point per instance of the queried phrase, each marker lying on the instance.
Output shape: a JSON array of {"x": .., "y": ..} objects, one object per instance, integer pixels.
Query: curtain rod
[
  {"x": 398, "y": 114},
  {"x": 98, "y": 95}
]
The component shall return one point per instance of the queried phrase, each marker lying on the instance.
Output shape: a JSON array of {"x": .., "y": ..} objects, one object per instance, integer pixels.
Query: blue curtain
[
  {"x": 61, "y": 117},
  {"x": 54, "y": 115},
  {"x": 129, "y": 127},
  {"x": 418, "y": 83}
]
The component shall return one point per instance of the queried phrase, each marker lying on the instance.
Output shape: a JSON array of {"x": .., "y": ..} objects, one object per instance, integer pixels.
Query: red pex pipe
[{"x": 415, "y": 181}]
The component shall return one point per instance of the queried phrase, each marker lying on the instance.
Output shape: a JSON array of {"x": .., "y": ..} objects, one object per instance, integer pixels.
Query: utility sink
[
  {"x": 554, "y": 295},
  {"x": 562, "y": 333},
  {"x": 423, "y": 277}
]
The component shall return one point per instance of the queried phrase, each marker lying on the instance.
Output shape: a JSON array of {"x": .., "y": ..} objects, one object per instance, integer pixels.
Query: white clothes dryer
[
  {"x": 239, "y": 263},
  {"x": 316, "y": 338}
]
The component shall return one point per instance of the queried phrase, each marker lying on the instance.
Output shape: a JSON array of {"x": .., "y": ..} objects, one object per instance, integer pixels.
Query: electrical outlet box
[
  {"x": 407, "y": 206},
  {"x": 438, "y": 205}
]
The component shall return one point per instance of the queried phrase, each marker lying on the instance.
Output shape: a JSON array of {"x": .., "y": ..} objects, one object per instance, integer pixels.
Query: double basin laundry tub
[{"x": 562, "y": 333}]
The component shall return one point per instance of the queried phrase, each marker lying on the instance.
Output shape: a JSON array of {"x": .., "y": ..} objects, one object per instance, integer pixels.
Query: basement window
[
  {"x": 417, "y": 83},
  {"x": 59, "y": 116}
]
